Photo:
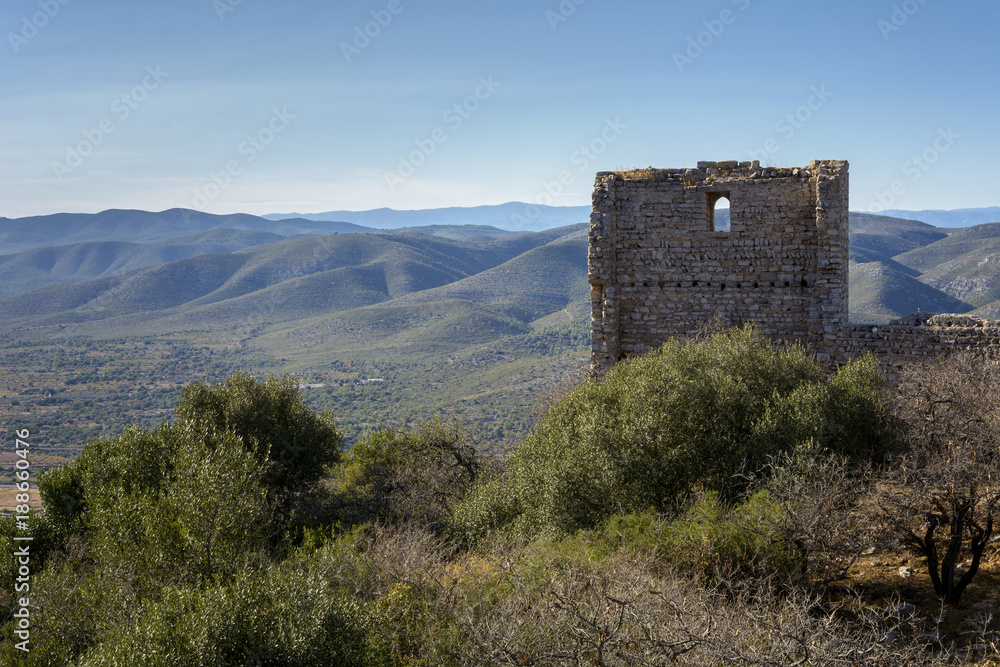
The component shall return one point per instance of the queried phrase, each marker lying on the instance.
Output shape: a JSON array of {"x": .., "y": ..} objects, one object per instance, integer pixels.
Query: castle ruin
[{"x": 661, "y": 265}]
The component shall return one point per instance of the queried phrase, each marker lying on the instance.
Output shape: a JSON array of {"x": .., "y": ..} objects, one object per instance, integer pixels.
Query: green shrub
[
  {"x": 417, "y": 475},
  {"x": 294, "y": 443},
  {"x": 715, "y": 541},
  {"x": 289, "y": 615},
  {"x": 681, "y": 418}
]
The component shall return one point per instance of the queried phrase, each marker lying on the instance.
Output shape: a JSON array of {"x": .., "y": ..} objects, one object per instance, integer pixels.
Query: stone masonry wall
[
  {"x": 660, "y": 268},
  {"x": 919, "y": 336}
]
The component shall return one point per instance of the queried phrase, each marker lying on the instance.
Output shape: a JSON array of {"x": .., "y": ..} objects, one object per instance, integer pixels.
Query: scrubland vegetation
[{"x": 721, "y": 502}]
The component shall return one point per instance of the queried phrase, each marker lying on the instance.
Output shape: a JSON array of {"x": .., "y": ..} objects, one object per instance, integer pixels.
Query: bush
[
  {"x": 716, "y": 542},
  {"x": 289, "y": 615},
  {"x": 681, "y": 418},
  {"x": 419, "y": 475},
  {"x": 294, "y": 443}
]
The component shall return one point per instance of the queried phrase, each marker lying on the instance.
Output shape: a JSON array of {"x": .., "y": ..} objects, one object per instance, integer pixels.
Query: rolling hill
[
  {"x": 903, "y": 266},
  {"x": 296, "y": 277},
  {"x": 121, "y": 308},
  {"x": 222, "y": 276},
  {"x": 20, "y": 234},
  {"x": 881, "y": 292},
  {"x": 31, "y": 269},
  {"x": 65, "y": 229}
]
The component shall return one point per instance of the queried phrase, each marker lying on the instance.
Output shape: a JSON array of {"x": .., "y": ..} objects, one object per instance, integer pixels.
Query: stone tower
[{"x": 661, "y": 265}]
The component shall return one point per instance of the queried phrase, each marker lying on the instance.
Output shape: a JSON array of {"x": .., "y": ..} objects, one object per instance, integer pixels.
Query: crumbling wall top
[{"x": 708, "y": 172}]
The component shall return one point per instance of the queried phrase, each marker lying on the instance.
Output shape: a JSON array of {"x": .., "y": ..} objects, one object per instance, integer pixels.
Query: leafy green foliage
[
  {"x": 681, "y": 418},
  {"x": 419, "y": 475},
  {"x": 288, "y": 615},
  {"x": 716, "y": 541},
  {"x": 294, "y": 444}
]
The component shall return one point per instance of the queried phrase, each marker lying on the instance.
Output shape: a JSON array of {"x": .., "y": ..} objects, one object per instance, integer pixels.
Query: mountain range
[
  {"x": 959, "y": 217},
  {"x": 117, "y": 264},
  {"x": 517, "y": 216},
  {"x": 904, "y": 266},
  {"x": 469, "y": 320}
]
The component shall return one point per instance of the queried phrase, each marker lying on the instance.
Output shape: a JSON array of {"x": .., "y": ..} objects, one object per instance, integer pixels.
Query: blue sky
[{"x": 263, "y": 106}]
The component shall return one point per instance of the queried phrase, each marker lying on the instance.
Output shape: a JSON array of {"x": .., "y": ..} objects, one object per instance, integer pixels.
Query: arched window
[{"x": 718, "y": 211}]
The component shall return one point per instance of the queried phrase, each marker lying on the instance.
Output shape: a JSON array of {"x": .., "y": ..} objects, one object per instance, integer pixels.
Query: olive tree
[{"x": 683, "y": 417}]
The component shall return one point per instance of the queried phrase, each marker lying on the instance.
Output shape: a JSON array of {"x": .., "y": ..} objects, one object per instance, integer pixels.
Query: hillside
[
  {"x": 293, "y": 278},
  {"x": 881, "y": 292},
  {"x": 467, "y": 320},
  {"x": 183, "y": 225},
  {"x": 20, "y": 234},
  {"x": 79, "y": 262},
  {"x": 902, "y": 266},
  {"x": 890, "y": 236},
  {"x": 507, "y": 312}
]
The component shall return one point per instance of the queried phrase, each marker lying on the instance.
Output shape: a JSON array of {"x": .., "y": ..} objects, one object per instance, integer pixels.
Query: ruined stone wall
[
  {"x": 917, "y": 337},
  {"x": 659, "y": 267}
]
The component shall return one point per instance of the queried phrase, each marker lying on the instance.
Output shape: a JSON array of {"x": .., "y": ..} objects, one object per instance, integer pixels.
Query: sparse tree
[
  {"x": 945, "y": 488},
  {"x": 418, "y": 475},
  {"x": 294, "y": 444}
]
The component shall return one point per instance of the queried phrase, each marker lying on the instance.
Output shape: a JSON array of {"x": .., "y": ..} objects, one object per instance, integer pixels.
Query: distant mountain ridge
[
  {"x": 20, "y": 234},
  {"x": 959, "y": 217},
  {"x": 903, "y": 266},
  {"x": 186, "y": 266},
  {"x": 513, "y": 216}
]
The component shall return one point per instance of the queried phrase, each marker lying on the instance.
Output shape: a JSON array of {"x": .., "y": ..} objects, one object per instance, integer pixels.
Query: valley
[{"x": 470, "y": 322}]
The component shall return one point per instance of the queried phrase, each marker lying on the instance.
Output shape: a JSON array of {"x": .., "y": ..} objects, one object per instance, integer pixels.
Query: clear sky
[{"x": 261, "y": 106}]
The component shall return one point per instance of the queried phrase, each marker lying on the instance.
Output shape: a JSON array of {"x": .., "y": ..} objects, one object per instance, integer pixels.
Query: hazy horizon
[{"x": 229, "y": 106}]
